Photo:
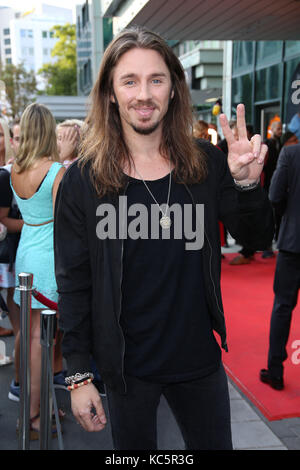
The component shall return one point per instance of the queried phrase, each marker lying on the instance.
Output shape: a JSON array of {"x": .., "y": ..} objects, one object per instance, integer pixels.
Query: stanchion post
[
  {"x": 48, "y": 330},
  {"x": 25, "y": 289}
]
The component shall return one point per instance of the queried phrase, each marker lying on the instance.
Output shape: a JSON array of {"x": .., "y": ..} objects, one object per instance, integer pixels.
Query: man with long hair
[{"x": 138, "y": 250}]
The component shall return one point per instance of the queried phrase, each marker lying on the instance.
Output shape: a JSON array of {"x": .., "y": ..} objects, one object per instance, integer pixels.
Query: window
[
  {"x": 31, "y": 51},
  {"x": 45, "y": 51},
  {"x": 8, "y": 51},
  {"x": 23, "y": 33},
  {"x": 51, "y": 34},
  {"x": 85, "y": 14},
  {"x": 268, "y": 83},
  {"x": 44, "y": 34},
  {"x": 7, "y": 42},
  {"x": 6, "y": 31},
  {"x": 268, "y": 52},
  {"x": 243, "y": 56},
  {"x": 8, "y": 61},
  {"x": 242, "y": 93},
  {"x": 292, "y": 48}
]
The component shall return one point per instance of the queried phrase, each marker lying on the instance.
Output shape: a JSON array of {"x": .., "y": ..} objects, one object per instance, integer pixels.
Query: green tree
[
  {"x": 20, "y": 87},
  {"x": 61, "y": 76}
]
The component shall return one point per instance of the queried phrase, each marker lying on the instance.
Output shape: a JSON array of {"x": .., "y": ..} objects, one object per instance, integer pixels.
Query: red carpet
[{"x": 248, "y": 300}]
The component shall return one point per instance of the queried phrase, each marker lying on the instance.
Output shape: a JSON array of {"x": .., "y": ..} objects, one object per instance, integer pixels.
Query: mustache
[{"x": 144, "y": 104}]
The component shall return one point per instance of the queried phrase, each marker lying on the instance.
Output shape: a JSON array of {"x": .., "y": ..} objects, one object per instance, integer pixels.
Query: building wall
[
  {"x": 262, "y": 76},
  {"x": 29, "y": 36},
  {"x": 93, "y": 34},
  {"x": 6, "y": 15}
]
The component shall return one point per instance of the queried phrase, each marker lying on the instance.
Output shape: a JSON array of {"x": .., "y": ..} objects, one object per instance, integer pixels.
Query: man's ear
[
  {"x": 172, "y": 93},
  {"x": 113, "y": 99}
]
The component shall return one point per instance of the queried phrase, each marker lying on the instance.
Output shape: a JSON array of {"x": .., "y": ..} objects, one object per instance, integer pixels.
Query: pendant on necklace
[{"x": 165, "y": 222}]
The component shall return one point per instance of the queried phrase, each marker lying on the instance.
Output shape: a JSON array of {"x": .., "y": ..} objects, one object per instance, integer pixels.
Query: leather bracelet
[{"x": 246, "y": 187}]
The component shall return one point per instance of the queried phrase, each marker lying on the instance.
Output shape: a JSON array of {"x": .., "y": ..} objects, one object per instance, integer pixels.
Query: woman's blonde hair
[
  {"x": 103, "y": 143},
  {"x": 8, "y": 148},
  {"x": 37, "y": 136},
  {"x": 70, "y": 123}
]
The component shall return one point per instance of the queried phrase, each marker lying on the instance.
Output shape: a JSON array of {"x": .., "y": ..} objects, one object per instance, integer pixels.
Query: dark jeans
[
  {"x": 286, "y": 287},
  {"x": 201, "y": 408}
]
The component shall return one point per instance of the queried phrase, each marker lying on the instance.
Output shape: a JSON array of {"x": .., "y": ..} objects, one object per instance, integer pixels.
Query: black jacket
[
  {"x": 89, "y": 270},
  {"x": 285, "y": 196}
]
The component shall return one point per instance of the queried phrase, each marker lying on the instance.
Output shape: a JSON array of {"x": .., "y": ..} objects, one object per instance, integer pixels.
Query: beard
[{"x": 145, "y": 130}]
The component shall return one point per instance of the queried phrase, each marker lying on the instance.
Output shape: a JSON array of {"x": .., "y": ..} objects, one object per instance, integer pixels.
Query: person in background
[
  {"x": 68, "y": 139},
  {"x": 246, "y": 254},
  {"x": 294, "y": 125},
  {"x": 6, "y": 151},
  {"x": 7, "y": 279},
  {"x": 35, "y": 177},
  {"x": 11, "y": 218},
  {"x": 289, "y": 138},
  {"x": 200, "y": 130},
  {"x": 284, "y": 194},
  {"x": 15, "y": 136},
  {"x": 274, "y": 144}
]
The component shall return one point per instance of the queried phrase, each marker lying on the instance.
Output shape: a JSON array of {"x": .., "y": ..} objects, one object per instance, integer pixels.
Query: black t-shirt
[
  {"x": 165, "y": 319},
  {"x": 6, "y": 194}
]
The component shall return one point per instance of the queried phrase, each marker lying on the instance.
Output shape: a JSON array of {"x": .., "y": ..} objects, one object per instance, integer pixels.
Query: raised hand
[{"x": 245, "y": 157}]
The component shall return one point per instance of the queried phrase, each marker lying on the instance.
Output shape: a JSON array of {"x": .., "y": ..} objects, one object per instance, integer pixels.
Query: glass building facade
[{"x": 262, "y": 76}]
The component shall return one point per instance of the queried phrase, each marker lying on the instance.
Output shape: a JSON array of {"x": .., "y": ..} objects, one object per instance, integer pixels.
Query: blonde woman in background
[
  {"x": 35, "y": 177},
  {"x": 68, "y": 139}
]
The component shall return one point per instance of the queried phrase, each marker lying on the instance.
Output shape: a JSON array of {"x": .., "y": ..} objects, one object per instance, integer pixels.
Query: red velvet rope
[{"x": 41, "y": 298}]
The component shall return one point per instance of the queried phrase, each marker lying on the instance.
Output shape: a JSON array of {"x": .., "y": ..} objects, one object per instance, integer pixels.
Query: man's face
[
  {"x": 142, "y": 90},
  {"x": 15, "y": 141}
]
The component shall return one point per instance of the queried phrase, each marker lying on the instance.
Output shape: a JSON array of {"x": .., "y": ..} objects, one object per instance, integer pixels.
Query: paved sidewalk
[{"x": 251, "y": 431}]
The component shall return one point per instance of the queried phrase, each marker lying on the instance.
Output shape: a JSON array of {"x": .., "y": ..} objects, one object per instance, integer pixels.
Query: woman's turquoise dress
[{"x": 35, "y": 252}]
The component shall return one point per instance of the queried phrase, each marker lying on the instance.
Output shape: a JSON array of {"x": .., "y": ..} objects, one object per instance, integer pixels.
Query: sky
[{"x": 26, "y": 5}]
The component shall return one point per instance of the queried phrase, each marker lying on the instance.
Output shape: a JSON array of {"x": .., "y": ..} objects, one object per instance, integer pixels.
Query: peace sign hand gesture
[{"x": 245, "y": 157}]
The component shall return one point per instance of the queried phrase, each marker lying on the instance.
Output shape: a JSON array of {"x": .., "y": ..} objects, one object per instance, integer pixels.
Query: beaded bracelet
[
  {"x": 78, "y": 377},
  {"x": 80, "y": 384}
]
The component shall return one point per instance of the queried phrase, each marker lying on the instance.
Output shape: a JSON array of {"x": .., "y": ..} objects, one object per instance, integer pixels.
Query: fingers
[
  {"x": 240, "y": 121},
  {"x": 87, "y": 408},
  {"x": 263, "y": 153},
  {"x": 227, "y": 132},
  {"x": 71, "y": 134},
  {"x": 256, "y": 145}
]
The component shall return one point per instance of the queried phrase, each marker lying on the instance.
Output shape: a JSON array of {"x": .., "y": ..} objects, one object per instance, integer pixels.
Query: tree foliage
[
  {"x": 20, "y": 88},
  {"x": 61, "y": 76}
]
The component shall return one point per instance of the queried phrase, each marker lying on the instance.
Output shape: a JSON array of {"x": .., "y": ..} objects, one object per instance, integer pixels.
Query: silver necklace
[{"x": 165, "y": 221}]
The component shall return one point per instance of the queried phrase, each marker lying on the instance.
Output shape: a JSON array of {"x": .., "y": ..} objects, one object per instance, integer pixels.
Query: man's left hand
[{"x": 245, "y": 157}]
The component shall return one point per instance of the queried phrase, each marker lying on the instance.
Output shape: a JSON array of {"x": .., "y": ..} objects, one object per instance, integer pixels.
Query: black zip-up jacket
[{"x": 89, "y": 269}]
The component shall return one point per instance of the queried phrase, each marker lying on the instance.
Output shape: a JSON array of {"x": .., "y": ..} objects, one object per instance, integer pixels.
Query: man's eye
[
  {"x": 156, "y": 81},
  {"x": 130, "y": 82}
]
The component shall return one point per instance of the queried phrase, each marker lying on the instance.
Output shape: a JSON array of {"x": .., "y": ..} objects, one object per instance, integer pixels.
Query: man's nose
[{"x": 144, "y": 92}]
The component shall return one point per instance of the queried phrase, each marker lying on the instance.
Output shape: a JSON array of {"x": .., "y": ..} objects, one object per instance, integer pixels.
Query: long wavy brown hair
[{"x": 103, "y": 143}]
